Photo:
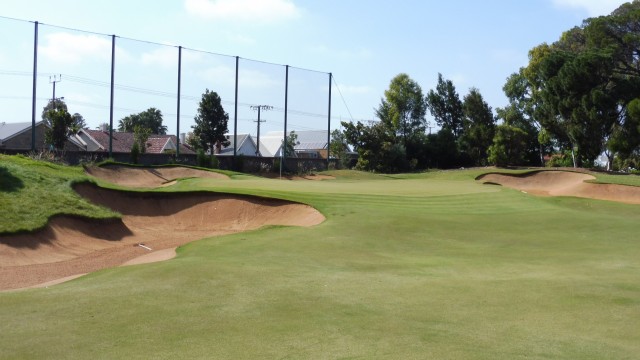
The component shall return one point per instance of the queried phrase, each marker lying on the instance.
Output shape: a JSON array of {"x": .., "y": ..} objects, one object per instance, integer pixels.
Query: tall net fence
[{"x": 266, "y": 101}]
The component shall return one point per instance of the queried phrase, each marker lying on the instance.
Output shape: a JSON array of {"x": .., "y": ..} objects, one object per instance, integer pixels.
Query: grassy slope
[
  {"x": 33, "y": 191},
  {"x": 420, "y": 267}
]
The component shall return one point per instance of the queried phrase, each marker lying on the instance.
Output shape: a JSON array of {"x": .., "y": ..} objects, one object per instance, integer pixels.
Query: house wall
[
  {"x": 247, "y": 149},
  {"x": 23, "y": 141},
  {"x": 91, "y": 145}
]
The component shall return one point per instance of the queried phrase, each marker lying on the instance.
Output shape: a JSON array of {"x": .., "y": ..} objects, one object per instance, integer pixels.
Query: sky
[{"x": 363, "y": 44}]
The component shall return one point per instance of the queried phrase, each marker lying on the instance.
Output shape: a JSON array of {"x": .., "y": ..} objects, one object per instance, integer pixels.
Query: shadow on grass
[{"x": 8, "y": 182}]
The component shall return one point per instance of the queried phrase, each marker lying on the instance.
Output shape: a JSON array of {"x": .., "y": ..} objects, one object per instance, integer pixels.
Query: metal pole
[
  {"x": 258, "y": 137},
  {"x": 235, "y": 116},
  {"x": 33, "y": 98},
  {"x": 113, "y": 61},
  {"x": 286, "y": 106},
  {"x": 329, "y": 124},
  {"x": 178, "y": 106}
]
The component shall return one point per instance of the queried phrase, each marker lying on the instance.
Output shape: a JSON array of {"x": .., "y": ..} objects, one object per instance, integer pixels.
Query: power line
[{"x": 342, "y": 97}]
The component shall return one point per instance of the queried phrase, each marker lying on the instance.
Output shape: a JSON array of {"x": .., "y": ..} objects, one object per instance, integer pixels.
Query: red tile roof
[{"x": 123, "y": 141}]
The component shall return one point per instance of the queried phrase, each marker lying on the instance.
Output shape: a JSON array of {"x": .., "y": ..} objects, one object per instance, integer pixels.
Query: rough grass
[
  {"x": 31, "y": 192},
  {"x": 416, "y": 266}
]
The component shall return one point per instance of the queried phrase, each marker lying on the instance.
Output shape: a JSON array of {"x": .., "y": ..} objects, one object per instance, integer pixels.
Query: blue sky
[{"x": 363, "y": 43}]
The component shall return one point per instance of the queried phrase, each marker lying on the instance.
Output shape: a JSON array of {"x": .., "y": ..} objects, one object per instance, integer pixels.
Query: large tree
[
  {"x": 150, "y": 119},
  {"x": 211, "y": 123},
  {"x": 59, "y": 123},
  {"x": 582, "y": 85},
  {"x": 403, "y": 107},
  {"x": 445, "y": 106},
  {"x": 479, "y": 127}
]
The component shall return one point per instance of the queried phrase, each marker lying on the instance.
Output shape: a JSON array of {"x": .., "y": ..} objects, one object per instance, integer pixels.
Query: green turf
[
  {"x": 421, "y": 266},
  {"x": 31, "y": 192}
]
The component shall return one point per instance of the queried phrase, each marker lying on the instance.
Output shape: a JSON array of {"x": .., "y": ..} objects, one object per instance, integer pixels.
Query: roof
[
  {"x": 270, "y": 145},
  {"x": 307, "y": 140},
  {"x": 242, "y": 138},
  {"x": 123, "y": 141},
  {"x": 9, "y": 130}
]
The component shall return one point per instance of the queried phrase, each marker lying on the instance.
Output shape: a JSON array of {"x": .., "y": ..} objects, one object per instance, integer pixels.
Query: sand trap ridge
[
  {"x": 565, "y": 183},
  {"x": 148, "y": 177},
  {"x": 71, "y": 246}
]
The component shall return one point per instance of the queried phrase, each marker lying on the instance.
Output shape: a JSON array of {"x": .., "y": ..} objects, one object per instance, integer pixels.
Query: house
[
  {"x": 310, "y": 144},
  {"x": 98, "y": 140},
  {"x": 246, "y": 146},
  {"x": 17, "y": 136}
]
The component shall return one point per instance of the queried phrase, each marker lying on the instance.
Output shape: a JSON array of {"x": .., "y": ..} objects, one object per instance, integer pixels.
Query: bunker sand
[
  {"x": 160, "y": 221},
  {"x": 565, "y": 183},
  {"x": 148, "y": 177}
]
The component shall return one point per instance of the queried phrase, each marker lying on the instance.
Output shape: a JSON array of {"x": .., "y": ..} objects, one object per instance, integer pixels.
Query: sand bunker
[
  {"x": 72, "y": 246},
  {"x": 148, "y": 177},
  {"x": 564, "y": 183}
]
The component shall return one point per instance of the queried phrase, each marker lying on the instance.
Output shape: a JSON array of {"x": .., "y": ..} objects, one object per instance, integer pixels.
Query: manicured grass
[
  {"x": 31, "y": 192},
  {"x": 431, "y": 265}
]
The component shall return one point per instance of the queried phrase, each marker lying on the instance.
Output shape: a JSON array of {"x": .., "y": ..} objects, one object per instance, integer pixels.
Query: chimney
[
  {"x": 183, "y": 138},
  {"x": 104, "y": 127}
]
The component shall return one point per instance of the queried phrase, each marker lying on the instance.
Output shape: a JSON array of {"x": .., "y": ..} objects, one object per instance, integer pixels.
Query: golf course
[{"x": 479, "y": 263}]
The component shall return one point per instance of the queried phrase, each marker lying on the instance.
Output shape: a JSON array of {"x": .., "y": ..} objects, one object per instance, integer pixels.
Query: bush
[
  {"x": 201, "y": 158},
  {"x": 135, "y": 152}
]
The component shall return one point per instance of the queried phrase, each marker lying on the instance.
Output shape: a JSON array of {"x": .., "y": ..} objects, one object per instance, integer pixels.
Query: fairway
[{"x": 421, "y": 266}]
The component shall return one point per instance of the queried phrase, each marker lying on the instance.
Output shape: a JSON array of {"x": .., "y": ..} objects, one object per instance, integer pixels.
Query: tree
[
  {"x": 377, "y": 147},
  {"x": 192, "y": 141},
  {"x": 150, "y": 119},
  {"x": 211, "y": 122},
  {"x": 78, "y": 123},
  {"x": 479, "y": 127},
  {"x": 403, "y": 107},
  {"x": 446, "y": 107},
  {"x": 509, "y": 145},
  {"x": 140, "y": 136},
  {"x": 59, "y": 123},
  {"x": 288, "y": 146},
  {"x": 339, "y": 148}
]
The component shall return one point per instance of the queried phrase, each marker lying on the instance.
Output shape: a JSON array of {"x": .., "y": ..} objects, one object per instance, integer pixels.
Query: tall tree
[
  {"x": 479, "y": 127},
  {"x": 211, "y": 122},
  {"x": 150, "y": 119},
  {"x": 59, "y": 123},
  {"x": 445, "y": 106},
  {"x": 78, "y": 123},
  {"x": 403, "y": 107}
]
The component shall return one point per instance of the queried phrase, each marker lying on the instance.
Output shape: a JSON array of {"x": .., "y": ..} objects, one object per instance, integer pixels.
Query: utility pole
[
  {"x": 53, "y": 79},
  {"x": 259, "y": 107}
]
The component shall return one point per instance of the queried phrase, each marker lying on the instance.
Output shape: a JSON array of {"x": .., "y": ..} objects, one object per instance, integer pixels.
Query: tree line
[{"x": 577, "y": 98}]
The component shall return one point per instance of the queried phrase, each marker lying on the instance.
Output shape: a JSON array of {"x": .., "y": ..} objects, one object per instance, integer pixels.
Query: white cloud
[
  {"x": 73, "y": 49},
  {"x": 243, "y": 10},
  {"x": 592, "y": 7}
]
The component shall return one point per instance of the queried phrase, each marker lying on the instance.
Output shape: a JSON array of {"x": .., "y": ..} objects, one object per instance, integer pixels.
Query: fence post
[
  {"x": 33, "y": 99},
  {"x": 286, "y": 107},
  {"x": 329, "y": 125},
  {"x": 235, "y": 118},
  {"x": 113, "y": 60},
  {"x": 178, "y": 105}
]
